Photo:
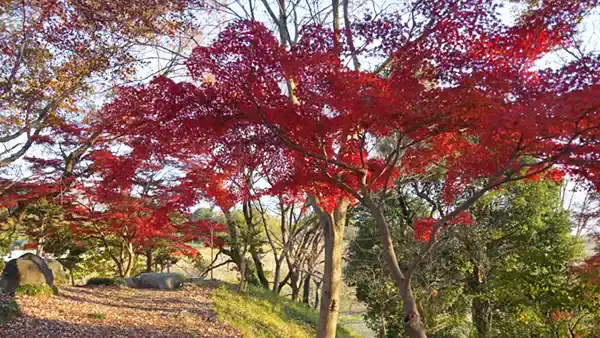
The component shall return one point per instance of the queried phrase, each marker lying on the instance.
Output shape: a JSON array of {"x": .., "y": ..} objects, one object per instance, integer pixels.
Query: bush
[
  {"x": 36, "y": 290},
  {"x": 105, "y": 281},
  {"x": 8, "y": 309}
]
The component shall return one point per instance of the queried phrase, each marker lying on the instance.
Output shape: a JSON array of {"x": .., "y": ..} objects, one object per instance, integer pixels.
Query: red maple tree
[{"x": 461, "y": 93}]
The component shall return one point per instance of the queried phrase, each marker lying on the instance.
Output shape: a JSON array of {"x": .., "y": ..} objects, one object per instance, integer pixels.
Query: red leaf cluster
[{"x": 464, "y": 96}]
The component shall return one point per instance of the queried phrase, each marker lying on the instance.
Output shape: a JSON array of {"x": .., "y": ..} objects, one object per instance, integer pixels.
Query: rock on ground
[
  {"x": 58, "y": 271},
  {"x": 28, "y": 269},
  {"x": 161, "y": 281}
]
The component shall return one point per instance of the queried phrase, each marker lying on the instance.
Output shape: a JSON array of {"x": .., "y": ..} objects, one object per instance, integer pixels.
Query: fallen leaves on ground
[{"x": 118, "y": 312}]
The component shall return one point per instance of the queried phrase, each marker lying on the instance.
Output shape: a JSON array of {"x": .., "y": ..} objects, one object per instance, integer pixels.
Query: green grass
[
  {"x": 35, "y": 290},
  {"x": 97, "y": 315},
  {"x": 260, "y": 313}
]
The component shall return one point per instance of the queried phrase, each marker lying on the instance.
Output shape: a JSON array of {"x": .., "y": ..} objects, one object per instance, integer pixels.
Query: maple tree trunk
[
  {"x": 260, "y": 272},
  {"x": 412, "y": 319},
  {"x": 40, "y": 248},
  {"x": 329, "y": 310},
  {"x": 412, "y": 322},
  {"x": 130, "y": 260},
  {"x": 148, "y": 260},
  {"x": 333, "y": 233}
]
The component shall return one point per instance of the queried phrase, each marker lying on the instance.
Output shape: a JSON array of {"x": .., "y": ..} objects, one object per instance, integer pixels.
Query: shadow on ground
[{"x": 115, "y": 312}]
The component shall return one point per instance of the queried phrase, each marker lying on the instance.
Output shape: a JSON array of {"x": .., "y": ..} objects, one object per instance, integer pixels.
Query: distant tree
[{"x": 210, "y": 233}]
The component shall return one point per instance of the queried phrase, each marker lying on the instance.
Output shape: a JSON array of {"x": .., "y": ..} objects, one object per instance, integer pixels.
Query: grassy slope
[{"x": 259, "y": 313}]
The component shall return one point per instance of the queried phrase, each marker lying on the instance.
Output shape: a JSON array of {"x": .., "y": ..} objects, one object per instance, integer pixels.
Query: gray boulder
[
  {"x": 133, "y": 282},
  {"x": 60, "y": 276},
  {"x": 161, "y": 281},
  {"x": 29, "y": 269}
]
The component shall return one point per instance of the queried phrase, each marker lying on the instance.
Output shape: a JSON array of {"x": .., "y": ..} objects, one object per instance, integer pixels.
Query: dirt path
[{"x": 118, "y": 312}]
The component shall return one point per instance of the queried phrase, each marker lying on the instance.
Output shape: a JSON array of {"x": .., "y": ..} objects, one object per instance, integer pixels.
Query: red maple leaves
[
  {"x": 463, "y": 95},
  {"x": 482, "y": 113}
]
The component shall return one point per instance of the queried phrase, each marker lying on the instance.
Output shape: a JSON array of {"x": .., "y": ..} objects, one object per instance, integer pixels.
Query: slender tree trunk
[
  {"x": 148, "y": 260},
  {"x": 383, "y": 326},
  {"x": 40, "y": 247},
  {"x": 120, "y": 269},
  {"x": 333, "y": 231},
  {"x": 72, "y": 277},
  {"x": 277, "y": 276},
  {"x": 306, "y": 289},
  {"x": 317, "y": 288},
  {"x": 243, "y": 272},
  {"x": 283, "y": 283},
  {"x": 212, "y": 254},
  {"x": 412, "y": 319}
]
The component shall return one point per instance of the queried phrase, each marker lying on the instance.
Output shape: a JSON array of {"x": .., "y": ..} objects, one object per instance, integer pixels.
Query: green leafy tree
[
  {"x": 520, "y": 240},
  {"x": 43, "y": 220}
]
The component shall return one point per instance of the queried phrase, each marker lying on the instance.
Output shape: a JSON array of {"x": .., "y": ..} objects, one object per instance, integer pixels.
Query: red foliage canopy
[{"x": 465, "y": 95}]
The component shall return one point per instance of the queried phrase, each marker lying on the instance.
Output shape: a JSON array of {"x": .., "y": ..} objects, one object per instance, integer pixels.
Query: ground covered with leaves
[{"x": 118, "y": 311}]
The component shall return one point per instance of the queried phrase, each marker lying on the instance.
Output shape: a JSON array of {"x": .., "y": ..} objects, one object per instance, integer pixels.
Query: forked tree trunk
[
  {"x": 294, "y": 281},
  {"x": 412, "y": 319},
  {"x": 295, "y": 289},
  {"x": 333, "y": 230},
  {"x": 306, "y": 289},
  {"x": 413, "y": 325},
  {"x": 317, "y": 287},
  {"x": 260, "y": 272}
]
